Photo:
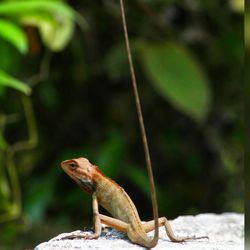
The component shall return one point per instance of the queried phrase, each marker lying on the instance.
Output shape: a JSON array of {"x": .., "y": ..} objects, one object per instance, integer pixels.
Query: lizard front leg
[
  {"x": 150, "y": 225},
  {"x": 96, "y": 220}
]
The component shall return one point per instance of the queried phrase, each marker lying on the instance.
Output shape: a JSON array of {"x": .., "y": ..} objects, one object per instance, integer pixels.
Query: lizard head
[{"x": 82, "y": 172}]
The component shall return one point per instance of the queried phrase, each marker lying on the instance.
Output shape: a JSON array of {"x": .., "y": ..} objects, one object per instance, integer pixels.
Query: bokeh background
[{"x": 65, "y": 92}]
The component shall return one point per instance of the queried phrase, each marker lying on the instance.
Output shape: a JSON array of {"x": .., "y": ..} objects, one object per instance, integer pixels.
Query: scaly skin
[{"x": 116, "y": 201}]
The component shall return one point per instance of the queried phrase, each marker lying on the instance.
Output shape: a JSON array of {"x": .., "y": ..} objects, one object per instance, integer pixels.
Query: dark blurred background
[{"x": 65, "y": 92}]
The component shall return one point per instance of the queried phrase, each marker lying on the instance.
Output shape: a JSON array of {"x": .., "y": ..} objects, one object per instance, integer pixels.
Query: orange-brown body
[{"x": 115, "y": 200}]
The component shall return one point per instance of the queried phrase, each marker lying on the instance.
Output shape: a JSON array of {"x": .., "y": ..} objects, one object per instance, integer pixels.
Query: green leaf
[
  {"x": 176, "y": 76},
  {"x": 9, "y": 81},
  {"x": 55, "y": 33},
  {"x": 54, "y": 19},
  {"x": 17, "y": 7},
  {"x": 55, "y": 8},
  {"x": 14, "y": 34}
]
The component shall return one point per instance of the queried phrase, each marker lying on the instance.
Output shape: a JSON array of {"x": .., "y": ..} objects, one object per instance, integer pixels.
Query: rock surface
[{"x": 225, "y": 231}]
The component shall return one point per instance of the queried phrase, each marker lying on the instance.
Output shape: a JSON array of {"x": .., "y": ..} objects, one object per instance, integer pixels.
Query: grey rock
[{"x": 225, "y": 232}]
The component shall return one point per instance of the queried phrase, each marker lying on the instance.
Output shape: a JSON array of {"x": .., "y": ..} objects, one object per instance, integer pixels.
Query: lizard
[{"x": 107, "y": 193}]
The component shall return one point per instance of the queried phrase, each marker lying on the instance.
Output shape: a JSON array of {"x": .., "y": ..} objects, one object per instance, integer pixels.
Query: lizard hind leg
[
  {"x": 149, "y": 226},
  {"x": 114, "y": 223}
]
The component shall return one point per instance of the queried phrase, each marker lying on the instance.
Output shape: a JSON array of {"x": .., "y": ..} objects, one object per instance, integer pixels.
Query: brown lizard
[
  {"x": 111, "y": 196},
  {"x": 115, "y": 200}
]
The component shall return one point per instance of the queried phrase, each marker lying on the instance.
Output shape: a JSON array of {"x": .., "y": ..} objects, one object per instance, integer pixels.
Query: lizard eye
[{"x": 72, "y": 165}]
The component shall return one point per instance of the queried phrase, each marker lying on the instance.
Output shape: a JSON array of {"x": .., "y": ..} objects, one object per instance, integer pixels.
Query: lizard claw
[
  {"x": 71, "y": 237},
  {"x": 197, "y": 238},
  {"x": 91, "y": 236}
]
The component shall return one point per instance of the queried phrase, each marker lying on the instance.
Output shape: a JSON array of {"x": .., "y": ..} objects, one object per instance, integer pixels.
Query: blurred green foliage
[
  {"x": 178, "y": 78},
  {"x": 71, "y": 96}
]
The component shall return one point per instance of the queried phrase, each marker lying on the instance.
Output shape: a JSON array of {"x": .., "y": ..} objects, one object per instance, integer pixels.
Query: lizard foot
[{"x": 184, "y": 239}]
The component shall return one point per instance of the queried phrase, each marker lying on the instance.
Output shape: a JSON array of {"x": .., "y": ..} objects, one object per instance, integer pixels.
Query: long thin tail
[{"x": 142, "y": 128}]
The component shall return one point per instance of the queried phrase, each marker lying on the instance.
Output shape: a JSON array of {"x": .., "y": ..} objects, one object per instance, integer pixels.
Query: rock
[{"x": 225, "y": 231}]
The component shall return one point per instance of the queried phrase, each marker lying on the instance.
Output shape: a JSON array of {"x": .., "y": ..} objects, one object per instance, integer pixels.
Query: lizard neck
[{"x": 89, "y": 184}]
